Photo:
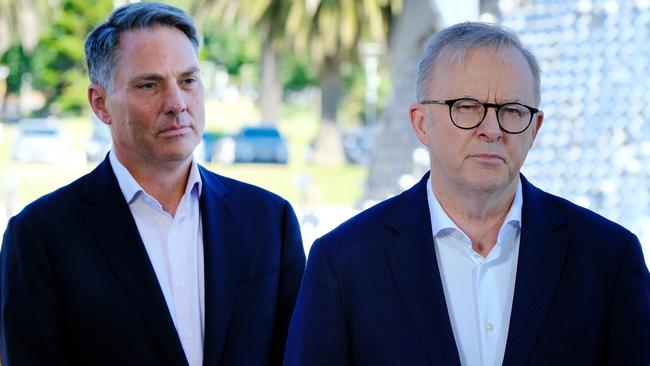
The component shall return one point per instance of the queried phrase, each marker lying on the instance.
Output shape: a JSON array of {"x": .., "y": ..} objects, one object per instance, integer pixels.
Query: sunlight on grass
[{"x": 338, "y": 185}]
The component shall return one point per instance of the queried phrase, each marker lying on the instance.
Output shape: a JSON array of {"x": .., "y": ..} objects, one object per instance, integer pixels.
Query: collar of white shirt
[
  {"x": 131, "y": 189},
  {"x": 442, "y": 224}
]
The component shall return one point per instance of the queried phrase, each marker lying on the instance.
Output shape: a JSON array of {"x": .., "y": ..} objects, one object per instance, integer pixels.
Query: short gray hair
[
  {"x": 102, "y": 42},
  {"x": 455, "y": 41}
]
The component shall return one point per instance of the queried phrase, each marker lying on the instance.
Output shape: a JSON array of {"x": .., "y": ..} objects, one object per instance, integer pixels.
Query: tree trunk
[
  {"x": 491, "y": 6},
  {"x": 270, "y": 84},
  {"x": 391, "y": 157},
  {"x": 328, "y": 149}
]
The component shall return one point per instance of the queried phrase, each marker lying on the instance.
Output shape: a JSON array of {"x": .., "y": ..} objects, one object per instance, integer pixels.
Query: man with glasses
[{"x": 474, "y": 265}]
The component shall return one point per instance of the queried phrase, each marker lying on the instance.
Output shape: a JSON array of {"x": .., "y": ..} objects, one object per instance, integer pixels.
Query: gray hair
[
  {"x": 102, "y": 42},
  {"x": 455, "y": 41}
]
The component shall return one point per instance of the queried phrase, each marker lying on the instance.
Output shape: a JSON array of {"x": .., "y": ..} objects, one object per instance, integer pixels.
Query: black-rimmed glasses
[{"x": 468, "y": 113}]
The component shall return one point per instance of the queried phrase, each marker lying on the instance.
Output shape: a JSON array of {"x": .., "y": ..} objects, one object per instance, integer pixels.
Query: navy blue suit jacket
[
  {"x": 77, "y": 286},
  {"x": 372, "y": 293}
]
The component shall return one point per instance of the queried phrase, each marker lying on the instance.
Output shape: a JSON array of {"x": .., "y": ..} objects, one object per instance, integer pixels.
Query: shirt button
[
  {"x": 484, "y": 268},
  {"x": 489, "y": 327},
  {"x": 180, "y": 284}
]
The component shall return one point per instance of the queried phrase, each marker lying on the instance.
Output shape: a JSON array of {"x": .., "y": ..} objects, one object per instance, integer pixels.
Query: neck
[
  {"x": 164, "y": 181},
  {"x": 479, "y": 214}
]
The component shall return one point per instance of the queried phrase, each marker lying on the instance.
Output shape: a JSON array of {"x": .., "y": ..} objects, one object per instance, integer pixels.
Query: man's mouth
[
  {"x": 175, "y": 130},
  {"x": 488, "y": 157}
]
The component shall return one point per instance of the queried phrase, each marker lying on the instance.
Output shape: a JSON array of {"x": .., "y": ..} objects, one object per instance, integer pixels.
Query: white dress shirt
[
  {"x": 175, "y": 248},
  {"x": 478, "y": 290}
]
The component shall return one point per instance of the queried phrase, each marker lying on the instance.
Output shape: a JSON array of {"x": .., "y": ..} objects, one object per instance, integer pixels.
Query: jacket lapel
[
  {"x": 221, "y": 237},
  {"x": 542, "y": 250},
  {"x": 108, "y": 217},
  {"x": 412, "y": 259}
]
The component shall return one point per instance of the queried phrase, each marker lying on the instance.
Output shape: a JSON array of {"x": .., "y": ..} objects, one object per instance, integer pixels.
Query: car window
[{"x": 38, "y": 127}]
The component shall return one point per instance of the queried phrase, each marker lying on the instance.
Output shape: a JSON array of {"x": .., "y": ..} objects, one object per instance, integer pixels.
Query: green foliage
[
  {"x": 335, "y": 28},
  {"x": 296, "y": 72},
  {"x": 229, "y": 48},
  {"x": 58, "y": 60},
  {"x": 239, "y": 53},
  {"x": 18, "y": 63}
]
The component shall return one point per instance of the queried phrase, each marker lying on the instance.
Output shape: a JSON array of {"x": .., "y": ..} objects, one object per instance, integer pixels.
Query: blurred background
[{"x": 309, "y": 98}]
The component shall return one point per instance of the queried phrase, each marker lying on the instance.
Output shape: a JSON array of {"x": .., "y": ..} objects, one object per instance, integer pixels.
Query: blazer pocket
[{"x": 258, "y": 286}]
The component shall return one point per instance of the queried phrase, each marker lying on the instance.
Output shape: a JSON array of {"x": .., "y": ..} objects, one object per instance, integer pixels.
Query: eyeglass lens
[{"x": 468, "y": 113}]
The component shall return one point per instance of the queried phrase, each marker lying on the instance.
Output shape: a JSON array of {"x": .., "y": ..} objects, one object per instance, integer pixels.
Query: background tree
[
  {"x": 22, "y": 21},
  {"x": 392, "y": 155},
  {"x": 224, "y": 46},
  {"x": 268, "y": 18},
  {"x": 58, "y": 60},
  {"x": 16, "y": 63},
  {"x": 21, "y": 24},
  {"x": 329, "y": 31}
]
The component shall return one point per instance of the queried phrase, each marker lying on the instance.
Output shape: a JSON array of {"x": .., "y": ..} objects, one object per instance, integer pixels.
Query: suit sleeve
[
  {"x": 292, "y": 267},
  {"x": 30, "y": 320},
  {"x": 629, "y": 336},
  {"x": 318, "y": 333}
]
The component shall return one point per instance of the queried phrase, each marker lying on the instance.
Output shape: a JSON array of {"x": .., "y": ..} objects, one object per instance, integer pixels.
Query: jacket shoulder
[
  {"x": 55, "y": 203},
  {"x": 361, "y": 232},
  {"x": 245, "y": 193},
  {"x": 592, "y": 223}
]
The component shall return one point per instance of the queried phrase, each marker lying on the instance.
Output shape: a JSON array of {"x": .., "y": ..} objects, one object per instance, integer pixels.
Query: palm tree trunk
[
  {"x": 270, "y": 84},
  {"x": 391, "y": 157},
  {"x": 328, "y": 149}
]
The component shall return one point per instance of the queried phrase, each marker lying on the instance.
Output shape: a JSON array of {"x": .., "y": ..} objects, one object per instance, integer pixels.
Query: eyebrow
[
  {"x": 157, "y": 77},
  {"x": 505, "y": 101},
  {"x": 192, "y": 70}
]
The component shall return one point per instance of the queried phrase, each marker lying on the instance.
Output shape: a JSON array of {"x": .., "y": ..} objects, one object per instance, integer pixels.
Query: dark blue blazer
[
  {"x": 372, "y": 293},
  {"x": 77, "y": 286}
]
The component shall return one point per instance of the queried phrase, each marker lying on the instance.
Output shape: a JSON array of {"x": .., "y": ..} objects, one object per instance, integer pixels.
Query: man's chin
[
  {"x": 176, "y": 157},
  {"x": 180, "y": 151},
  {"x": 491, "y": 184}
]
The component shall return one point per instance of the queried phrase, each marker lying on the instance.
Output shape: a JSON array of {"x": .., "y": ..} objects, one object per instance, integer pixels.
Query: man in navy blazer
[
  {"x": 474, "y": 265},
  {"x": 149, "y": 259}
]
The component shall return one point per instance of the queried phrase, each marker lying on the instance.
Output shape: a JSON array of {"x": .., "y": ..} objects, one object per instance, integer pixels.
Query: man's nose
[
  {"x": 175, "y": 100},
  {"x": 489, "y": 128}
]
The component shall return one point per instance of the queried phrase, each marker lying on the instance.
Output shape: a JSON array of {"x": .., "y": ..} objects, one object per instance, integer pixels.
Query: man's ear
[
  {"x": 537, "y": 123},
  {"x": 97, "y": 99},
  {"x": 418, "y": 118}
]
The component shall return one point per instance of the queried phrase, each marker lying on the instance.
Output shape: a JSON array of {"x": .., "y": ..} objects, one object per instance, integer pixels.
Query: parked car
[
  {"x": 260, "y": 144},
  {"x": 40, "y": 140},
  {"x": 207, "y": 149},
  {"x": 99, "y": 143},
  {"x": 357, "y": 144}
]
